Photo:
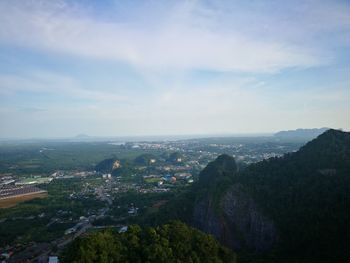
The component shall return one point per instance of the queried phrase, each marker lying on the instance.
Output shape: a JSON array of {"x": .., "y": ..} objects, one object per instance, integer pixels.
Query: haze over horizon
[
  {"x": 314, "y": 132},
  {"x": 117, "y": 68}
]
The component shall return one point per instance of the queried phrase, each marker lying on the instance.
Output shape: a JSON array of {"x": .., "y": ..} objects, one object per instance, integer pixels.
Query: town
[{"x": 46, "y": 202}]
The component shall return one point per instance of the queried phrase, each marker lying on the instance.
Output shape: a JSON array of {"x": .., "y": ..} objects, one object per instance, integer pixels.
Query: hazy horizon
[
  {"x": 164, "y": 136},
  {"x": 160, "y": 137},
  {"x": 173, "y": 68}
]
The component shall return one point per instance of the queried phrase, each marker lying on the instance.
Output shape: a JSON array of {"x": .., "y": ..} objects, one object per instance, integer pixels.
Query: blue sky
[{"x": 114, "y": 68}]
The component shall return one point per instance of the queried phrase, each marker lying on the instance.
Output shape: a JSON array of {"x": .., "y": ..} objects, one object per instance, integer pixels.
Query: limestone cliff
[{"x": 229, "y": 213}]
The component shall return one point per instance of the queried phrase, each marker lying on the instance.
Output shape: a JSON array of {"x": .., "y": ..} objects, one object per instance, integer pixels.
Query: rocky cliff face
[
  {"x": 251, "y": 227},
  {"x": 206, "y": 219},
  {"x": 237, "y": 222}
]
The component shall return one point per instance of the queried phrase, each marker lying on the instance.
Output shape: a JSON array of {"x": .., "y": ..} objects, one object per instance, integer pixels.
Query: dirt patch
[{"x": 10, "y": 202}]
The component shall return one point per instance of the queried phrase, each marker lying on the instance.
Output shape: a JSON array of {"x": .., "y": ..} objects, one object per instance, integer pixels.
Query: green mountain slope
[
  {"x": 297, "y": 206},
  {"x": 307, "y": 194}
]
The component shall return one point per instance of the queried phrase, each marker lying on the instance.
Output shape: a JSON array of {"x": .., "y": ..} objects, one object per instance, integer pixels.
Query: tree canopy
[{"x": 172, "y": 242}]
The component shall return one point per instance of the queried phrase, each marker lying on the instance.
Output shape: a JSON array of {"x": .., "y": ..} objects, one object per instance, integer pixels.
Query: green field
[{"x": 45, "y": 158}]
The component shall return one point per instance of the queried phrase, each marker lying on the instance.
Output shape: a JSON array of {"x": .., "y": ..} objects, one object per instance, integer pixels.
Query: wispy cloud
[
  {"x": 169, "y": 67},
  {"x": 189, "y": 37},
  {"x": 220, "y": 106},
  {"x": 49, "y": 83}
]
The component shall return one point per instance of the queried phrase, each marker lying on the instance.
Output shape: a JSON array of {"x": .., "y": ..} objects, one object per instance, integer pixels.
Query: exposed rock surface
[
  {"x": 108, "y": 165},
  {"x": 227, "y": 212},
  {"x": 238, "y": 223},
  {"x": 251, "y": 226}
]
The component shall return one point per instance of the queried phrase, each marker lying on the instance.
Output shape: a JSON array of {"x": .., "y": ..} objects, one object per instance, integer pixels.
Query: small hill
[
  {"x": 145, "y": 159},
  {"x": 108, "y": 165},
  {"x": 175, "y": 157}
]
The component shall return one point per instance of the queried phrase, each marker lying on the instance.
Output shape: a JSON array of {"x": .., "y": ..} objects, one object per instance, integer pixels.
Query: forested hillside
[
  {"x": 308, "y": 196},
  {"x": 294, "y": 208},
  {"x": 173, "y": 242}
]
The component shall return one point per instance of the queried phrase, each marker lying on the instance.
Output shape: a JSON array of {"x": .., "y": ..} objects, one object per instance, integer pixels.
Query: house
[
  {"x": 123, "y": 229},
  {"x": 53, "y": 259}
]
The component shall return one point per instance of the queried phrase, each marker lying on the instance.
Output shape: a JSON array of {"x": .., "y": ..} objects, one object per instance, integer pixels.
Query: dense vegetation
[
  {"x": 45, "y": 157},
  {"x": 173, "y": 242},
  {"x": 215, "y": 179},
  {"x": 308, "y": 195}
]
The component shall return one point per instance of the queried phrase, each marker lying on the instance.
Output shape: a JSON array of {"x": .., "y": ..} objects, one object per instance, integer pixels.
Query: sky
[{"x": 129, "y": 68}]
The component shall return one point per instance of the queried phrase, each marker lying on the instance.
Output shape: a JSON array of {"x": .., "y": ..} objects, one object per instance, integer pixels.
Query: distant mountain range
[
  {"x": 301, "y": 133},
  {"x": 294, "y": 209}
]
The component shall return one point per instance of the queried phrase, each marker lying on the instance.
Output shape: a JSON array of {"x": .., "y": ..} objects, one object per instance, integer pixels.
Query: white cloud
[{"x": 189, "y": 38}]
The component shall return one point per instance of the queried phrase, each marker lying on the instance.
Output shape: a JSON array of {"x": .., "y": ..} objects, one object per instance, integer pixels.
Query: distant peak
[
  {"x": 221, "y": 159},
  {"x": 223, "y": 165},
  {"x": 331, "y": 146},
  {"x": 334, "y": 132},
  {"x": 82, "y": 135}
]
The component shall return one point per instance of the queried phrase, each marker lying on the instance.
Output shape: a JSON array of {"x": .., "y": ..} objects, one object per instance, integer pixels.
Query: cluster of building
[
  {"x": 13, "y": 191},
  {"x": 71, "y": 174},
  {"x": 17, "y": 191},
  {"x": 6, "y": 179},
  {"x": 204, "y": 150},
  {"x": 162, "y": 180}
]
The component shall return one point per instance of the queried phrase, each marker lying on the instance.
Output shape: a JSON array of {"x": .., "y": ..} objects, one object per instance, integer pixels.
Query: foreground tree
[{"x": 173, "y": 242}]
